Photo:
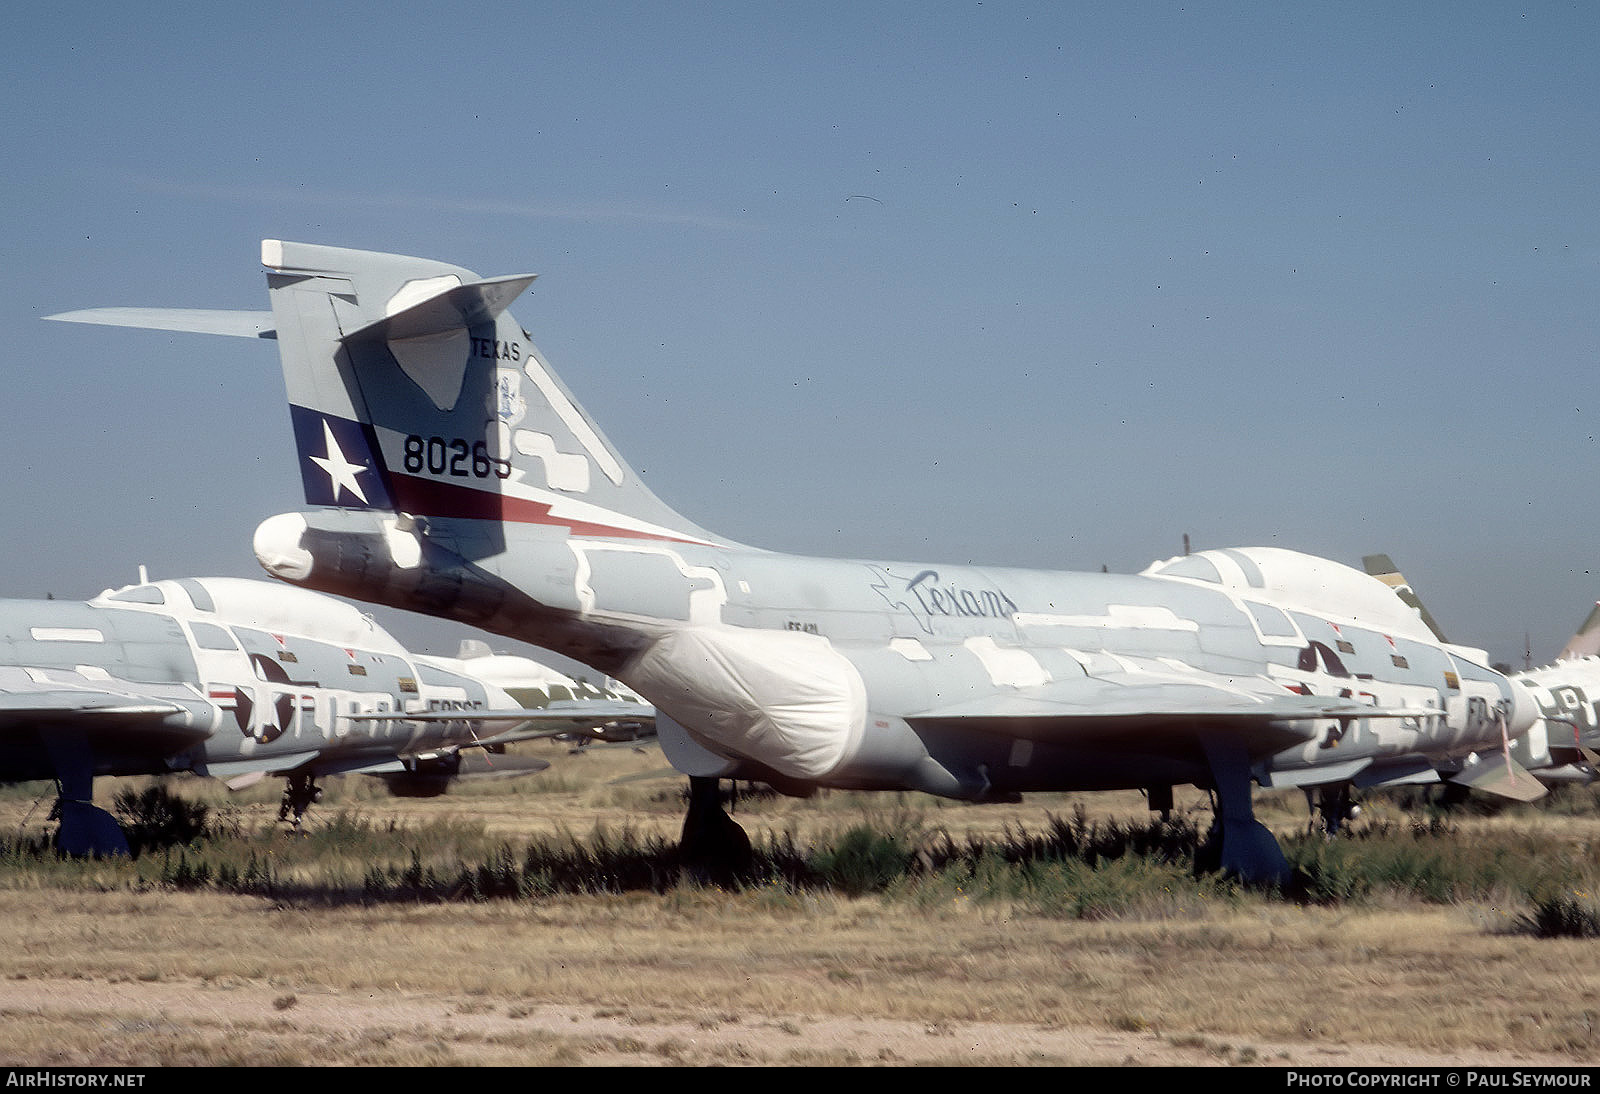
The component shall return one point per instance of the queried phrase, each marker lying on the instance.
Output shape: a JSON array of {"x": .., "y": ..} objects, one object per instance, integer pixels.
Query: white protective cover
[{"x": 784, "y": 699}]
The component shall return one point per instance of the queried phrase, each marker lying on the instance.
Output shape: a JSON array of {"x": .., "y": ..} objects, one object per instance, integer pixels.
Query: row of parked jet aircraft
[
  {"x": 240, "y": 679},
  {"x": 448, "y": 470}
]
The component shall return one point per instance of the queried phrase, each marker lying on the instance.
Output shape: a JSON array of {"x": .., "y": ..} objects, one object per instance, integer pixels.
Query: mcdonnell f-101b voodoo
[
  {"x": 451, "y": 472},
  {"x": 239, "y": 679}
]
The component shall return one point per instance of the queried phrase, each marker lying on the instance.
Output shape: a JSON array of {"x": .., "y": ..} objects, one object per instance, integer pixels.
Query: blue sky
[{"x": 1042, "y": 285}]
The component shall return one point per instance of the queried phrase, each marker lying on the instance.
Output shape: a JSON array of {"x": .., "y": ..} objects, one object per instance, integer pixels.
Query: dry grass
[{"x": 100, "y": 973}]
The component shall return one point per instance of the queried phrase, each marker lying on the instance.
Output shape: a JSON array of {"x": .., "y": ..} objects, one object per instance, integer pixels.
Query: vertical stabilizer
[
  {"x": 412, "y": 390},
  {"x": 1586, "y": 642},
  {"x": 1384, "y": 569}
]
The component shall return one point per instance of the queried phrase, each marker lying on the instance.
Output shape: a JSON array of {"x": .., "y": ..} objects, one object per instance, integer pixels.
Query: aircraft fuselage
[
  {"x": 701, "y": 630},
  {"x": 157, "y": 678}
]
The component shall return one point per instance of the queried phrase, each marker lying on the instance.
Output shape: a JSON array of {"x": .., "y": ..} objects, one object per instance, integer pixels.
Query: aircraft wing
[
  {"x": 1150, "y": 710},
  {"x": 27, "y": 707},
  {"x": 525, "y": 724},
  {"x": 57, "y": 706}
]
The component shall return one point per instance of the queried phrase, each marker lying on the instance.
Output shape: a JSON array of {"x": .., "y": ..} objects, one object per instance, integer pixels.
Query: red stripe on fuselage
[{"x": 427, "y": 498}]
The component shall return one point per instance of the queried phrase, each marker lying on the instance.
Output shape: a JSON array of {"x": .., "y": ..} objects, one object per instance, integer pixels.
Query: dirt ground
[
  {"x": 142, "y": 1024},
  {"x": 214, "y": 1009}
]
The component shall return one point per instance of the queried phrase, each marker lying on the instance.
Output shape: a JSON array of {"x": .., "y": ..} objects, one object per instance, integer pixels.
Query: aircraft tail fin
[
  {"x": 413, "y": 390},
  {"x": 1384, "y": 569},
  {"x": 1586, "y": 642}
]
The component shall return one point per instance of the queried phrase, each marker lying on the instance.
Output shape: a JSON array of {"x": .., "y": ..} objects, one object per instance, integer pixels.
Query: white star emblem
[{"x": 341, "y": 472}]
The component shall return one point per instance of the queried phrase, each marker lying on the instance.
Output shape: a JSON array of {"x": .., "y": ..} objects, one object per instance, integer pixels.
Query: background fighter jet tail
[
  {"x": 1586, "y": 642},
  {"x": 412, "y": 390},
  {"x": 1561, "y": 746},
  {"x": 1384, "y": 569}
]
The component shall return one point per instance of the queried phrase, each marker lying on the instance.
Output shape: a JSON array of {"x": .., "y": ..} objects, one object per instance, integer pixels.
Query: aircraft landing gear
[
  {"x": 300, "y": 794},
  {"x": 85, "y": 828},
  {"x": 1334, "y": 806},
  {"x": 1239, "y": 845},
  {"x": 713, "y": 848}
]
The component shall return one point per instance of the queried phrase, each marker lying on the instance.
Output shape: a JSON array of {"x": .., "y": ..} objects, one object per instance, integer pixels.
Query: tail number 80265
[{"x": 453, "y": 456}]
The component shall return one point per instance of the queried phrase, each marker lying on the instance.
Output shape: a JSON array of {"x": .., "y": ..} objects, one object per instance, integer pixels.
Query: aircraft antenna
[{"x": 144, "y": 575}]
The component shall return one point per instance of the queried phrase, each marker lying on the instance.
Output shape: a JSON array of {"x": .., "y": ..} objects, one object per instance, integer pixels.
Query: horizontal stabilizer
[
  {"x": 1498, "y": 774},
  {"x": 462, "y": 307},
  {"x": 234, "y": 324}
]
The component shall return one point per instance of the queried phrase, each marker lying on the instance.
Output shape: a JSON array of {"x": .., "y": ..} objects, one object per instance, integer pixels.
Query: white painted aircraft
[
  {"x": 245, "y": 679},
  {"x": 451, "y": 472},
  {"x": 1563, "y": 743}
]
